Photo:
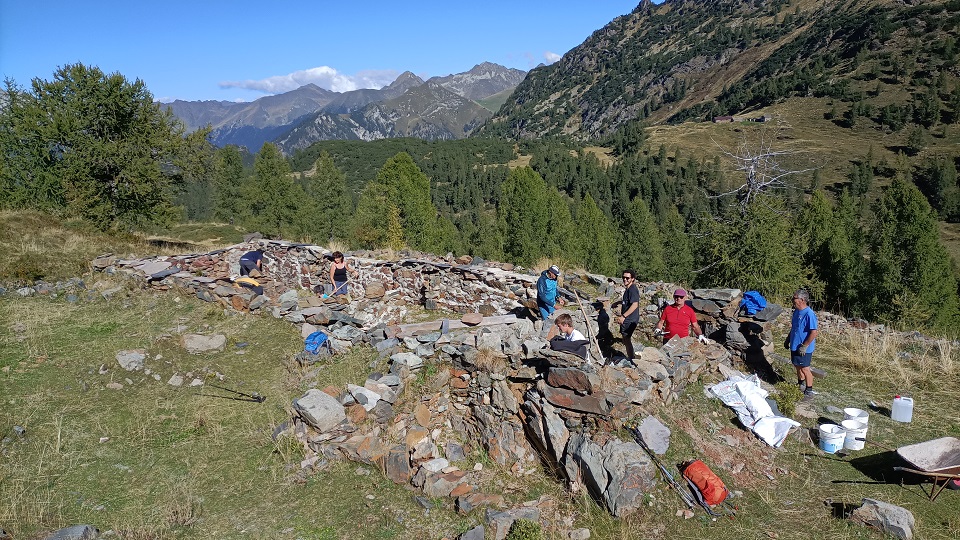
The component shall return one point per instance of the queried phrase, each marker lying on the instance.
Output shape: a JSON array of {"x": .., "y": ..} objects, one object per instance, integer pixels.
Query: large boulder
[
  {"x": 889, "y": 518},
  {"x": 320, "y": 410}
]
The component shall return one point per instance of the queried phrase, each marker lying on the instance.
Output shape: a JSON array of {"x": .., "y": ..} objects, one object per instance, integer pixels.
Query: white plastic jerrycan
[{"x": 902, "y": 410}]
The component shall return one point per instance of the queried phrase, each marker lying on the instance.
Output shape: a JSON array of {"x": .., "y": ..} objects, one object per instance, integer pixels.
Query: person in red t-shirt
[{"x": 678, "y": 318}]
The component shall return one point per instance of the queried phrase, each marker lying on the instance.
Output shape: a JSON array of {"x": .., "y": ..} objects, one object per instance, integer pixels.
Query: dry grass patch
[
  {"x": 893, "y": 359},
  {"x": 490, "y": 361}
]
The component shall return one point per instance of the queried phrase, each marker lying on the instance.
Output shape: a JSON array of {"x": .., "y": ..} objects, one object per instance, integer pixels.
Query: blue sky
[{"x": 243, "y": 50}]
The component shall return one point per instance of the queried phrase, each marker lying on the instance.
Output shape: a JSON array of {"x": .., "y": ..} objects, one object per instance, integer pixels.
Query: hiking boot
[
  {"x": 808, "y": 394},
  {"x": 803, "y": 386}
]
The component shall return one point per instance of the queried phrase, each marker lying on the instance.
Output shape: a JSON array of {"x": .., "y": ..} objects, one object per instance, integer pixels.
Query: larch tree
[
  {"x": 229, "y": 178},
  {"x": 640, "y": 246},
  {"x": 89, "y": 145},
  {"x": 596, "y": 238}
]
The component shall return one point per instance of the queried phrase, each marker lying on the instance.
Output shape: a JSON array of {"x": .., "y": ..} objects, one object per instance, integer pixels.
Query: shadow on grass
[
  {"x": 172, "y": 244},
  {"x": 841, "y": 510}
]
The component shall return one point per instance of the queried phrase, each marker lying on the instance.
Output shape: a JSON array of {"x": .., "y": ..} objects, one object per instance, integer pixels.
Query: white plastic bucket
[
  {"x": 831, "y": 438},
  {"x": 854, "y": 430},
  {"x": 856, "y": 414}
]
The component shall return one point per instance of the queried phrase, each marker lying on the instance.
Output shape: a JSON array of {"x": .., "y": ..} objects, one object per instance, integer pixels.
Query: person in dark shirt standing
[
  {"x": 629, "y": 311},
  {"x": 338, "y": 273}
]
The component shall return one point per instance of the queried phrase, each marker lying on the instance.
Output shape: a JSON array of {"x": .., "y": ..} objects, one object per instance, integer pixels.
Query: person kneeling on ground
[
  {"x": 250, "y": 261},
  {"x": 564, "y": 337}
]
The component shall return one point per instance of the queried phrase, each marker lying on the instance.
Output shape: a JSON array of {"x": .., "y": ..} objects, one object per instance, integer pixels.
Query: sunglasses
[
  {"x": 678, "y": 296},
  {"x": 627, "y": 278}
]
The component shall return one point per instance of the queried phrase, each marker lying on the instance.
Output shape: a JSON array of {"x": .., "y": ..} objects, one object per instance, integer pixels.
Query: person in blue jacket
[{"x": 547, "y": 299}]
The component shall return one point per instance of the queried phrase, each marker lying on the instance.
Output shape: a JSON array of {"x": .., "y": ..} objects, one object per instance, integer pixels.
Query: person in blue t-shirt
[{"x": 802, "y": 340}]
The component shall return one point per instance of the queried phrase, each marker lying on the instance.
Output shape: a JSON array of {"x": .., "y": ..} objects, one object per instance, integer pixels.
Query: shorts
[
  {"x": 339, "y": 287},
  {"x": 800, "y": 359},
  {"x": 628, "y": 328}
]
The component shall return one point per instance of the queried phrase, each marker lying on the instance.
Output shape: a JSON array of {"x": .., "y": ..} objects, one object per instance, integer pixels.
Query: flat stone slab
[
  {"x": 199, "y": 343},
  {"x": 321, "y": 410},
  {"x": 655, "y": 434}
]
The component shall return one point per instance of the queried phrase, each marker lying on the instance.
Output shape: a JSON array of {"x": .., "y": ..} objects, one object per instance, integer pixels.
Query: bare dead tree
[{"x": 761, "y": 164}]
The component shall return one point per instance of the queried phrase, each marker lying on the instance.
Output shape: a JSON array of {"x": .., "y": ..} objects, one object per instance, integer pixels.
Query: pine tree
[
  {"x": 596, "y": 238},
  {"x": 677, "y": 249},
  {"x": 523, "y": 215},
  {"x": 560, "y": 243},
  {"x": 756, "y": 250},
  {"x": 229, "y": 178},
  {"x": 90, "y": 145},
  {"x": 324, "y": 215},
  {"x": 377, "y": 222},
  {"x": 640, "y": 246},
  {"x": 271, "y": 195},
  {"x": 410, "y": 189}
]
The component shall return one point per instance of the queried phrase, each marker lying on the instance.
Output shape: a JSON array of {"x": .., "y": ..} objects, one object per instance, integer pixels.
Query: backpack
[
  {"x": 752, "y": 302},
  {"x": 711, "y": 487},
  {"x": 315, "y": 342}
]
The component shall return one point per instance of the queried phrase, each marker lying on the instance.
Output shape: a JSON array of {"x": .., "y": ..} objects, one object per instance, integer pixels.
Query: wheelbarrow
[{"x": 938, "y": 460}]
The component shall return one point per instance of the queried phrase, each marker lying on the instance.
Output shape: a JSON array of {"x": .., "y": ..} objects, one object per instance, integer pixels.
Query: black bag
[{"x": 579, "y": 347}]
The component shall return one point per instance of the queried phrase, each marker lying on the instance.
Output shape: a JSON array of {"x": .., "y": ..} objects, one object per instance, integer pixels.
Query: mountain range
[{"x": 439, "y": 108}]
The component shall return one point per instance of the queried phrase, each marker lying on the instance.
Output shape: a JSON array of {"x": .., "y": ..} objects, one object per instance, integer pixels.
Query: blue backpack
[
  {"x": 315, "y": 341},
  {"x": 752, "y": 302}
]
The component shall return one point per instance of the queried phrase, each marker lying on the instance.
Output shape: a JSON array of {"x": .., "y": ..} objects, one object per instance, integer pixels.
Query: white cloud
[
  {"x": 322, "y": 76},
  {"x": 551, "y": 57}
]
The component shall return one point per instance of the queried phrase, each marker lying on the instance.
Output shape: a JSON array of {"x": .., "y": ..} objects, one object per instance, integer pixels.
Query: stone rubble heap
[{"x": 486, "y": 383}]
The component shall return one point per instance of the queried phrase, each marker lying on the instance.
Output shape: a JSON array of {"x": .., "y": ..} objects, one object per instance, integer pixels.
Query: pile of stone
[
  {"x": 495, "y": 385},
  {"x": 295, "y": 275},
  {"x": 499, "y": 389}
]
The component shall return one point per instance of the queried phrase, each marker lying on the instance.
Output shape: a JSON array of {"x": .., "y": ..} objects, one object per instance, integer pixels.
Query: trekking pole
[
  {"x": 586, "y": 321},
  {"x": 254, "y": 397},
  {"x": 686, "y": 496}
]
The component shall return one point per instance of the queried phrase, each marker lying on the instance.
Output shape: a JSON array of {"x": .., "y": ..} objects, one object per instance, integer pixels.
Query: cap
[
  {"x": 680, "y": 292},
  {"x": 554, "y": 269}
]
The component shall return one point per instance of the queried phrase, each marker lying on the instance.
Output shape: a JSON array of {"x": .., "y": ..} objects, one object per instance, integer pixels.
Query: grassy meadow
[{"x": 152, "y": 461}]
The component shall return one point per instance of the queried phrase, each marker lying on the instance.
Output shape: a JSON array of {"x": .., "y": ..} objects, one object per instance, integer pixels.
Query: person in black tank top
[{"x": 338, "y": 273}]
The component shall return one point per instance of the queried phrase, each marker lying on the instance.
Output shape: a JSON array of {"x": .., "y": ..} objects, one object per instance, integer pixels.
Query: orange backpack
[{"x": 709, "y": 485}]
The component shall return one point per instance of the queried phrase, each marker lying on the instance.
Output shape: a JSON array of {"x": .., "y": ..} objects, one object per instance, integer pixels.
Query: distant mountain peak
[{"x": 407, "y": 79}]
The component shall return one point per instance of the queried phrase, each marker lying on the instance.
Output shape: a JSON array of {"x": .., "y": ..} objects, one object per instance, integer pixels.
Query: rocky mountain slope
[
  {"x": 696, "y": 59},
  {"x": 359, "y": 114},
  {"x": 429, "y": 112}
]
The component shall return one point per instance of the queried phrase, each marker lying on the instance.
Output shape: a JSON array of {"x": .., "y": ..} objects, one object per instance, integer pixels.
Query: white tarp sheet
[{"x": 748, "y": 400}]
